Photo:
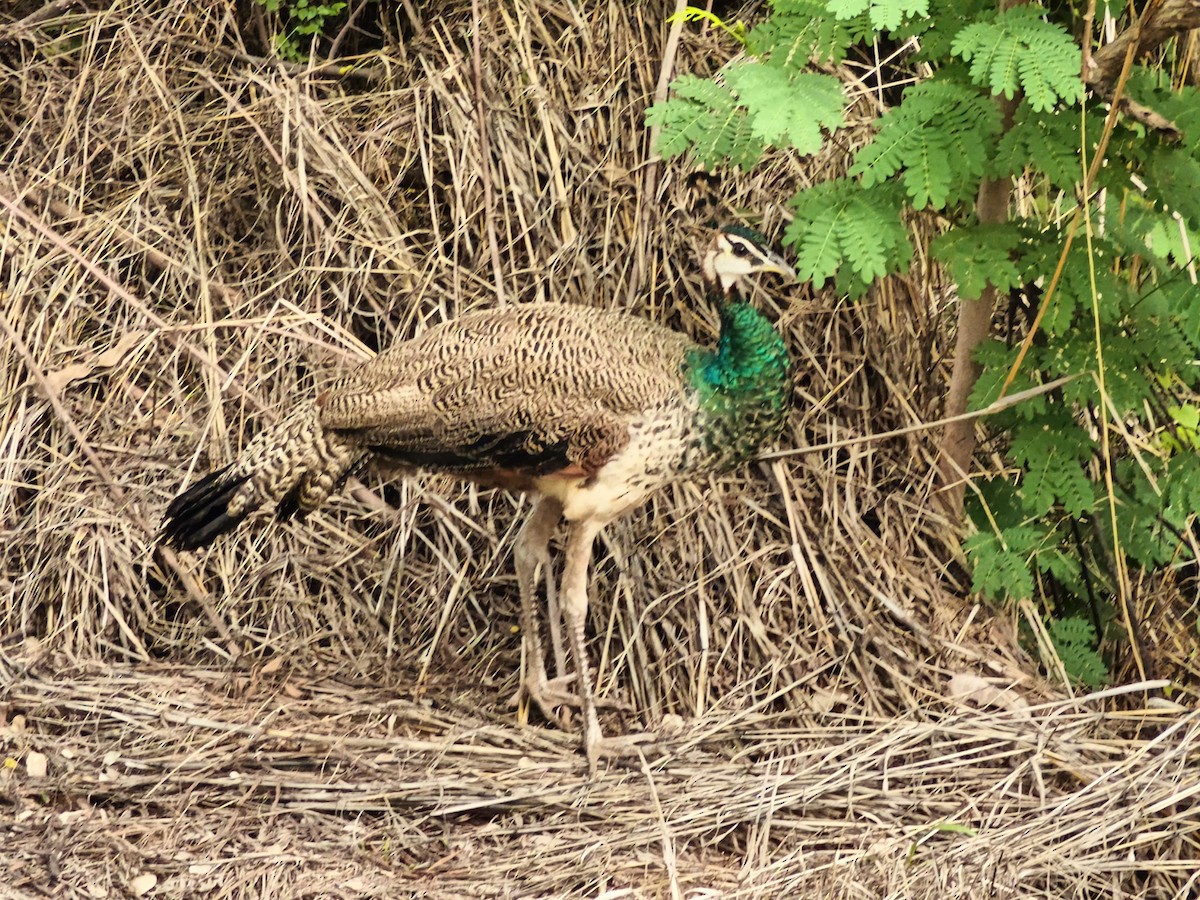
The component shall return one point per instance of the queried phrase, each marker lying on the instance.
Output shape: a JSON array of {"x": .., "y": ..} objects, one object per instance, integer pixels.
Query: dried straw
[{"x": 192, "y": 237}]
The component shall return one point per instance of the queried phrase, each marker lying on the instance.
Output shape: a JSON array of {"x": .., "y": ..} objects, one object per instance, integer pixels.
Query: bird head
[{"x": 737, "y": 252}]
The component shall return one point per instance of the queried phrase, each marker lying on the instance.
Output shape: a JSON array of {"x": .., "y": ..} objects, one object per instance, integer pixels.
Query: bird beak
[{"x": 774, "y": 263}]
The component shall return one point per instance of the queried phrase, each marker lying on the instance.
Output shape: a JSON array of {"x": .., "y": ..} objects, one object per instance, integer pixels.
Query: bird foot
[
  {"x": 623, "y": 747},
  {"x": 626, "y": 744},
  {"x": 550, "y": 696},
  {"x": 554, "y": 700},
  {"x": 598, "y": 747}
]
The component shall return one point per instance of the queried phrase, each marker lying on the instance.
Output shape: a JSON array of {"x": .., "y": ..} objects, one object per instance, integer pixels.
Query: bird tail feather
[{"x": 293, "y": 466}]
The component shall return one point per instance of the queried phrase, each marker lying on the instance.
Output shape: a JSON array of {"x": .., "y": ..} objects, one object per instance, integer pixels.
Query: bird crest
[{"x": 747, "y": 232}]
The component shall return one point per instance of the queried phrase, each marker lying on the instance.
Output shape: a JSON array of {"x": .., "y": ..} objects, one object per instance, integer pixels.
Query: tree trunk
[{"x": 974, "y": 326}]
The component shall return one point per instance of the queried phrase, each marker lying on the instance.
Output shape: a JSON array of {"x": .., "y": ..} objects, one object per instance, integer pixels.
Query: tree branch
[{"x": 1160, "y": 21}]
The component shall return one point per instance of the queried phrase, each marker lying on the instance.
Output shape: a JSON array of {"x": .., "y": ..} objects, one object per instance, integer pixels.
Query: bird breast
[{"x": 662, "y": 443}]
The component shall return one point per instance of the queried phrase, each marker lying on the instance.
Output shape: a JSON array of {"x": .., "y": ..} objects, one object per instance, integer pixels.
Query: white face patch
[{"x": 730, "y": 259}]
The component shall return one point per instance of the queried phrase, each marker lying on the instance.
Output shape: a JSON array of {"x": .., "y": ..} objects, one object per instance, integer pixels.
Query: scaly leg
[
  {"x": 578, "y": 554},
  {"x": 554, "y": 618},
  {"x": 533, "y": 547},
  {"x": 575, "y": 604}
]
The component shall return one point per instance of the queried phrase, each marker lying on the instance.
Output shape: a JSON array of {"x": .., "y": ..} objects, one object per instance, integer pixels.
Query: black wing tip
[
  {"x": 198, "y": 491},
  {"x": 199, "y": 515},
  {"x": 289, "y": 507}
]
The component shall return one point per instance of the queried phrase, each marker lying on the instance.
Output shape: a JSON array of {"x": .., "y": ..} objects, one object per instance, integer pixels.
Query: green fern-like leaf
[
  {"x": 1048, "y": 142},
  {"x": 704, "y": 118},
  {"x": 1074, "y": 292},
  {"x": 799, "y": 31},
  {"x": 1174, "y": 182},
  {"x": 1130, "y": 385},
  {"x": 1074, "y": 489},
  {"x": 1161, "y": 348},
  {"x": 1037, "y": 490},
  {"x": 1072, "y": 630},
  {"x": 788, "y": 109},
  {"x": 1064, "y": 568},
  {"x": 935, "y": 34},
  {"x": 1051, "y": 449},
  {"x": 1182, "y": 489},
  {"x": 1056, "y": 479},
  {"x": 839, "y": 228},
  {"x": 1147, "y": 525},
  {"x": 977, "y": 255},
  {"x": 997, "y": 359},
  {"x": 928, "y": 179},
  {"x": 994, "y": 505},
  {"x": 1001, "y": 561},
  {"x": 688, "y": 115},
  {"x": 1020, "y": 50},
  {"x": 1176, "y": 300},
  {"x": 939, "y": 136},
  {"x": 1138, "y": 227},
  {"x": 1074, "y": 641},
  {"x": 1166, "y": 242},
  {"x": 884, "y": 15},
  {"x": 1053, "y": 433},
  {"x": 1180, "y": 105},
  {"x": 1004, "y": 563}
]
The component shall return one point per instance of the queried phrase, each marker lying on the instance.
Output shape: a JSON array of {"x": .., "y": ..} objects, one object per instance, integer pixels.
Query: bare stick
[{"x": 485, "y": 169}]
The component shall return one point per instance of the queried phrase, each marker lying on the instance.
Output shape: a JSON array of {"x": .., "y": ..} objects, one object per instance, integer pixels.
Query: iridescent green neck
[
  {"x": 743, "y": 385},
  {"x": 748, "y": 351}
]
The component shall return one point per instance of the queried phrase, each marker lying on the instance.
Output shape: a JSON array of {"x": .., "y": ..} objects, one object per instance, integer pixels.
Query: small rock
[
  {"x": 143, "y": 884},
  {"x": 36, "y": 764}
]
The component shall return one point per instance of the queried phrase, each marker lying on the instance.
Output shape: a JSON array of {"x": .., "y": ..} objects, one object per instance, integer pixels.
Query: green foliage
[
  {"x": 939, "y": 137},
  {"x": 799, "y": 31},
  {"x": 946, "y": 19},
  {"x": 1003, "y": 561},
  {"x": 310, "y": 16},
  {"x": 1175, "y": 183},
  {"x": 884, "y": 15},
  {"x": 1075, "y": 642},
  {"x": 1186, "y": 434},
  {"x": 1048, "y": 142},
  {"x": 1053, "y": 448},
  {"x": 759, "y": 105},
  {"x": 844, "y": 232},
  {"x": 1020, "y": 49},
  {"x": 1180, "y": 105},
  {"x": 770, "y": 101},
  {"x": 301, "y": 18},
  {"x": 789, "y": 109},
  {"x": 975, "y": 255},
  {"x": 705, "y": 119},
  {"x": 1120, "y": 295}
]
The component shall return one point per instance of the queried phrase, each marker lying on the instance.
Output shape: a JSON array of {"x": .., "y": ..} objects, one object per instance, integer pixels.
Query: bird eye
[{"x": 740, "y": 250}]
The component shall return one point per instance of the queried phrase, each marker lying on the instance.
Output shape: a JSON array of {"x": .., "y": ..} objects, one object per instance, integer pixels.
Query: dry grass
[{"x": 317, "y": 710}]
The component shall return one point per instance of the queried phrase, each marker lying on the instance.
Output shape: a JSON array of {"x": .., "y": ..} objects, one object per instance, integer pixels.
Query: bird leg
[
  {"x": 533, "y": 547},
  {"x": 578, "y": 555},
  {"x": 554, "y": 616},
  {"x": 575, "y": 604}
]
